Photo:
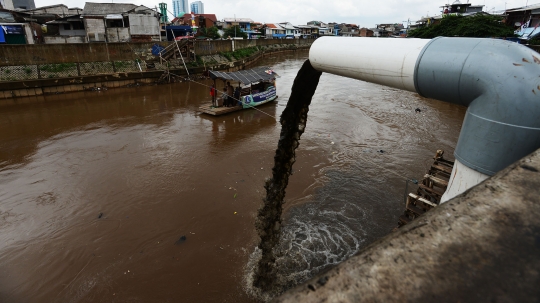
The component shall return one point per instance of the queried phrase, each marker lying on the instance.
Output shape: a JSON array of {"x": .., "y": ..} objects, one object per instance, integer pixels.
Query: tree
[
  {"x": 480, "y": 26},
  {"x": 210, "y": 32},
  {"x": 234, "y": 31}
]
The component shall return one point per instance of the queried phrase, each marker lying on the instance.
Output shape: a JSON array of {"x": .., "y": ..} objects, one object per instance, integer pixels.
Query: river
[{"x": 131, "y": 195}]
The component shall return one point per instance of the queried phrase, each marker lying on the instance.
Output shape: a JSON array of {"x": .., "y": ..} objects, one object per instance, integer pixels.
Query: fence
[{"x": 49, "y": 61}]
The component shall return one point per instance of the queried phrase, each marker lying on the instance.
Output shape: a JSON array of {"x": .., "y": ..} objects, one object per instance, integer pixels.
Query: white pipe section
[
  {"x": 385, "y": 61},
  {"x": 461, "y": 179}
]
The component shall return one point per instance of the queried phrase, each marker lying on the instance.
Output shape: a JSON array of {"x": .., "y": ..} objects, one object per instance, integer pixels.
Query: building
[
  {"x": 525, "y": 20},
  {"x": 243, "y": 23},
  {"x": 65, "y": 30},
  {"x": 274, "y": 31},
  {"x": 18, "y": 4},
  {"x": 290, "y": 30},
  {"x": 201, "y": 20},
  {"x": 180, "y": 7},
  {"x": 14, "y": 29},
  {"x": 461, "y": 8},
  {"x": 120, "y": 22},
  {"x": 197, "y": 7}
]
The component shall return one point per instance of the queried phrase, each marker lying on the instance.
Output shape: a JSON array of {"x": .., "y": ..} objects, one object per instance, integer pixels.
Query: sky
[{"x": 365, "y": 13}]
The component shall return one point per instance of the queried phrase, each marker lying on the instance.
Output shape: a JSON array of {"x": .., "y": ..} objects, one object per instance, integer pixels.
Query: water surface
[{"x": 97, "y": 187}]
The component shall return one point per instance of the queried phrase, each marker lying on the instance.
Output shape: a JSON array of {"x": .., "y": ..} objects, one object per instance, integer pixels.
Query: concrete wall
[
  {"x": 71, "y": 32},
  {"x": 64, "y": 39},
  {"x": 118, "y": 34},
  {"x": 13, "y": 55},
  {"x": 68, "y": 53},
  {"x": 143, "y": 25},
  {"x": 481, "y": 246},
  {"x": 95, "y": 29},
  {"x": 203, "y": 48}
]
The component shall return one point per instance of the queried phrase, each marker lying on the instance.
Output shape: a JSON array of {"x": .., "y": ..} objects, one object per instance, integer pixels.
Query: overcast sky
[{"x": 361, "y": 12}]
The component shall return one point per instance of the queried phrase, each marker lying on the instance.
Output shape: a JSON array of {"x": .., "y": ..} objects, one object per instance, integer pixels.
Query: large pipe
[{"x": 498, "y": 81}]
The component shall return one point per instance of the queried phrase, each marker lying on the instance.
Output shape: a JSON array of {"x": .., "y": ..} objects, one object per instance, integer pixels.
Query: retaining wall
[{"x": 481, "y": 246}]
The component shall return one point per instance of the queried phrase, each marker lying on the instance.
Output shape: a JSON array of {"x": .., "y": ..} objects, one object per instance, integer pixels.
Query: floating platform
[{"x": 218, "y": 111}]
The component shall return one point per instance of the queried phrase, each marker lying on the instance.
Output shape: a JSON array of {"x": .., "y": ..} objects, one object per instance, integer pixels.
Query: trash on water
[
  {"x": 235, "y": 213},
  {"x": 235, "y": 195},
  {"x": 181, "y": 240}
]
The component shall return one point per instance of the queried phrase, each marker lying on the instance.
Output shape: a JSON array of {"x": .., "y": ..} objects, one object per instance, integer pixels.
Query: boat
[{"x": 258, "y": 86}]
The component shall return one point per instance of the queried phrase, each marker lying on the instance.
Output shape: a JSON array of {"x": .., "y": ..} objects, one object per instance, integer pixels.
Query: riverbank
[{"x": 136, "y": 72}]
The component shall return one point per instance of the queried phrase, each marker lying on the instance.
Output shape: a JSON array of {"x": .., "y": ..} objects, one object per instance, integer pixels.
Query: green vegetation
[
  {"x": 56, "y": 68},
  {"x": 122, "y": 64},
  {"x": 210, "y": 32},
  {"x": 240, "y": 53},
  {"x": 28, "y": 70},
  {"x": 234, "y": 31},
  {"x": 480, "y": 26}
]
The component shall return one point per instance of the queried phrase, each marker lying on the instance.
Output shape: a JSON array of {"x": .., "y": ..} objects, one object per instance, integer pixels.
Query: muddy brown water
[{"x": 156, "y": 170}]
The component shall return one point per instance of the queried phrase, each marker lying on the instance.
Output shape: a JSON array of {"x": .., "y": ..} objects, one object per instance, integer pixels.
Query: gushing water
[{"x": 293, "y": 123}]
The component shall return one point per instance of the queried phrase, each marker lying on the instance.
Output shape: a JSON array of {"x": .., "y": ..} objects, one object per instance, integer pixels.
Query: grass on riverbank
[{"x": 240, "y": 53}]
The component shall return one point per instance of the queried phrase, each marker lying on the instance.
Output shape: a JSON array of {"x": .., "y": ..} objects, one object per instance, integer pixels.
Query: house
[
  {"x": 365, "y": 32},
  {"x": 201, "y": 20},
  {"x": 291, "y": 31},
  {"x": 120, "y": 22},
  {"x": 16, "y": 29},
  {"x": 69, "y": 29},
  {"x": 525, "y": 20},
  {"x": 243, "y": 23},
  {"x": 389, "y": 29},
  {"x": 274, "y": 31},
  {"x": 458, "y": 8},
  {"x": 17, "y": 4},
  {"x": 304, "y": 31}
]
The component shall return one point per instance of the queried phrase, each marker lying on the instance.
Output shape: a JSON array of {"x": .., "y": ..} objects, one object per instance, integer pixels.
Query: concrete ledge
[
  {"x": 482, "y": 246},
  {"x": 14, "y": 89}
]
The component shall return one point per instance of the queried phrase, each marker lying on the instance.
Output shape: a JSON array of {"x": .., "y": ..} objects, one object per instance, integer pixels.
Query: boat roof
[{"x": 248, "y": 76}]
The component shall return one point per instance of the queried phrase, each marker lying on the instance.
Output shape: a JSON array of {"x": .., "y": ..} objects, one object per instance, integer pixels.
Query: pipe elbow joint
[{"x": 499, "y": 81}]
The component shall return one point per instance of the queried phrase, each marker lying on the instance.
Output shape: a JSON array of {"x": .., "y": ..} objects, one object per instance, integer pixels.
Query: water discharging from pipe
[{"x": 293, "y": 123}]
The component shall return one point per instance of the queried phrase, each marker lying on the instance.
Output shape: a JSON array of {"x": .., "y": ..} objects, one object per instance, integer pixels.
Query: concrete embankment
[
  {"x": 29, "y": 70},
  {"x": 481, "y": 246}
]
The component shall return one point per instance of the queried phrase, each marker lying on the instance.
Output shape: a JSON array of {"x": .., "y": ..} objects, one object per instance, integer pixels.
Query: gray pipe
[{"x": 499, "y": 81}]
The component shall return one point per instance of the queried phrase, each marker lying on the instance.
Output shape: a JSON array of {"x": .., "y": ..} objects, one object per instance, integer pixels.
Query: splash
[{"x": 293, "y": 123}]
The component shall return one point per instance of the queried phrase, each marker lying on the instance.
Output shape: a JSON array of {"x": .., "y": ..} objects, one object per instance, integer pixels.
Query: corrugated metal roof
[
  {"x": 524, "y": 8},
  {"x": 246, "y": 76},
  {"x": 243, "y": 20},
  {"x": 207, "y": 16},
  {"x": 102, "y": 9}
]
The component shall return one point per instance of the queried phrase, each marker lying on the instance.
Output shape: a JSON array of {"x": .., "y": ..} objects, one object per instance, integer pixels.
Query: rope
[
  {"x": 250, "y": 106},
  {"x": 377, "y": 165}
]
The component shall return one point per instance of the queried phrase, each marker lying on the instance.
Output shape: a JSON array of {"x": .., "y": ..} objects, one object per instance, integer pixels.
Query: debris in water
[
  {"x": 100, "y": 215},
  {"x": 235, "y": 213},
  {"x": 180, "y": 241},
  {"x": 417, "y": 110},
  {"x": 293, "y": 123}
]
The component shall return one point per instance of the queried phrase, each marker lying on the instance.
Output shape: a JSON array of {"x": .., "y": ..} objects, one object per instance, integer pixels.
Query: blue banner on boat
[{"x": 263, "y": 96}]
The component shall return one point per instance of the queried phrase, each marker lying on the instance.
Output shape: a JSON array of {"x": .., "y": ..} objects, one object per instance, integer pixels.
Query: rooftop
[
  {"x": 102, "y": 9},
  {"x": 238, "y": 20}
]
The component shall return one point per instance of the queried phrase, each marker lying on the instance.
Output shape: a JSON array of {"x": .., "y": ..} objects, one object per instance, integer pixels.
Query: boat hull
[{"x": 259, "y": 98}]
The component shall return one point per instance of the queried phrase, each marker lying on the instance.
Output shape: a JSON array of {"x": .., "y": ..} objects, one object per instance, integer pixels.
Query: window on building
[
  {"x": 78, "y": 25},
  {"x": 67, "y": 27}
]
